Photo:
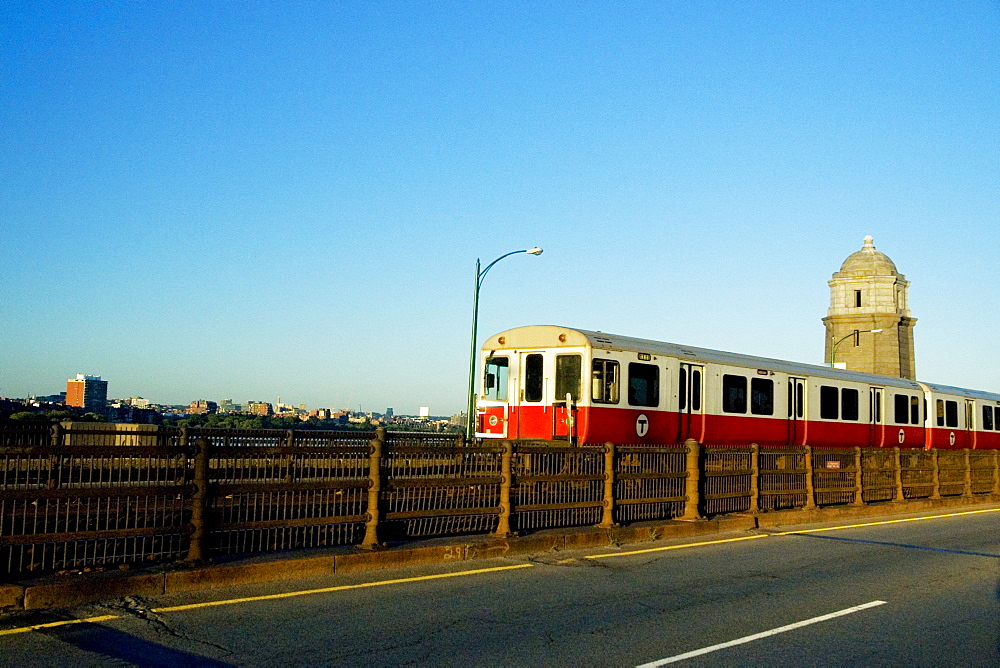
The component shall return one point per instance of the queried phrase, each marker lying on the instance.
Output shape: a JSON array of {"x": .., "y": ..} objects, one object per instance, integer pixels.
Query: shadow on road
[{"x": 116, "y": 644}]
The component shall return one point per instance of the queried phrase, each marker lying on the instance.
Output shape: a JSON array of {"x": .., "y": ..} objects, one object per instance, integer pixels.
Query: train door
[
  {"x": 492, "y": 410},
  {"x": 534, "y": 418},
  {"x": 876, "y": 425},
  {"x": 796, "y": 411},
  {"x": 690, "y": 414},
  {"x": 970, "y": 424},
  {"x": 569, "y": 380}
]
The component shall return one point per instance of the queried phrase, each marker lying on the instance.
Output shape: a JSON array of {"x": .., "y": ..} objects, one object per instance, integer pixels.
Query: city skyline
[{"x": 218, "y": 201}]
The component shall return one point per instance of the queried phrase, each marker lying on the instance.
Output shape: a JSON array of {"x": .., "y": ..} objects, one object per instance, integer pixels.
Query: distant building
[
  {"x": 202, "y": 407},
  {"x": 388, "y": 413},
  {"x": 425, "y": 412},
  {"x": 259, "y": 408},
  {"x": 130, "y": 414},
  {"x": 87, "y": 392},
  {"x": 868, "y": 293}
]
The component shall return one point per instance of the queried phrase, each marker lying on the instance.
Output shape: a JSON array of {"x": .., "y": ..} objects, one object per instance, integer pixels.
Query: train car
[{"x": 557, "y": 383}]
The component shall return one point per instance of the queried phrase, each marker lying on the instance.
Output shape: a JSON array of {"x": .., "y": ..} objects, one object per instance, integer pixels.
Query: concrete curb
[{"x": 66, "y": 591}]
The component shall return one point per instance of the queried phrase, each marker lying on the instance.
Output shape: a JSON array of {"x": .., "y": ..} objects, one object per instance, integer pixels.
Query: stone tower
[{"x": 869, "y": 294}]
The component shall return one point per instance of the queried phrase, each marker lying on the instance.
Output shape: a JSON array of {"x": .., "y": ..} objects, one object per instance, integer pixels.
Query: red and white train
[{"x": 556, "y": 383}]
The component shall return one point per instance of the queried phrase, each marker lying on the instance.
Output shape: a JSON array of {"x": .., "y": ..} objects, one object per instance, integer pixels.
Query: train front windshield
[{"x": 495, "y": 379}]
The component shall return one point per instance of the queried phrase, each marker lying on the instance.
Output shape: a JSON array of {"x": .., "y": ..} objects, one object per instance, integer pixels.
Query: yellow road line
[
  {"x": 788, "y": 533},
  {"x": 193, "y": 606},
  {"x": 51, "y": 625},
  {"x": 326, "y": 590},
  {"x": 871, "y": 524},
  {"x": 676, "y": 547}
]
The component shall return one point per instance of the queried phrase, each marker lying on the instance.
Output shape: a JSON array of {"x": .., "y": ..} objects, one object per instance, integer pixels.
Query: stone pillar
[
  {"x": 608, "y": 516},
  {"x": 371, "y": 539},
  {"x": 506, "y": 480},
  {"x": 754, "y": 478},
  {"x": 810, "y": 480},
  {"x": 936, "y": 494},
  {"x": 898, "y": 474},
  {"x": 693, "y": 487},
  {"x": 199, "y": 503},
  {"x": 967, "y": 489},
  {"x": 859, "y": 490}
]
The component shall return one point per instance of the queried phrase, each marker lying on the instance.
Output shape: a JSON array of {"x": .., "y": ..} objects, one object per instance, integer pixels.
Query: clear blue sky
[{"x": 208, "y": 200}]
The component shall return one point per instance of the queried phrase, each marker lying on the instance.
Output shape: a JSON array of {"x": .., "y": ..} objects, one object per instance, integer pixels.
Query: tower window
[{"x": 857, "y": 298}]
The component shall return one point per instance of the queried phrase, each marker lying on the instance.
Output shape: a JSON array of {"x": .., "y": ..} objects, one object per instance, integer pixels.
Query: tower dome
[
  {"x": 868, "y": 325},
  {"x": 868, "y": 262}
]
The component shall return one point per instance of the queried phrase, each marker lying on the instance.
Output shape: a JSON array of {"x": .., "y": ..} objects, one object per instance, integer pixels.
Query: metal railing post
[
  {"x": 810, "y": 480},
  {"x": 898, "y": 474},
  {"x": 692, "y": 489},
  {"x": 371, "y": 541},
  {"x": 608, "y": 518},
  {"x": 936, "y": 472},
  {"x": 506, "y": 480},
  {"x": 199, "y": 500},
  {"x": 859, "y": 478},
  {"x": 754, "y": 478}
]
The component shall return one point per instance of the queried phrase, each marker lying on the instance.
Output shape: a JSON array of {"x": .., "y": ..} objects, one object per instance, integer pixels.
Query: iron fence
[
  {"x": 90, "y": 496},
  {"x": 729, "y": 479},
  {"x": 650, "y": 483}
]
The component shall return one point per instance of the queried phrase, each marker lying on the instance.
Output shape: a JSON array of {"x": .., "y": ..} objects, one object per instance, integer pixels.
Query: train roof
[{"x": 546, "y": 336}]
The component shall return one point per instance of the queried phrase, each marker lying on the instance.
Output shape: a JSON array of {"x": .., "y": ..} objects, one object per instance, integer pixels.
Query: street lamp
[
  {"x": 470, "y": 429},
  {"x": 833, "y": 352}
]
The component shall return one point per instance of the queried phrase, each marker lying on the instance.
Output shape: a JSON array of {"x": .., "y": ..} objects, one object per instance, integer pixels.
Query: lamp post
[
  {"x": 470, "y": 429},
  {"x": 833, "y": 352}
]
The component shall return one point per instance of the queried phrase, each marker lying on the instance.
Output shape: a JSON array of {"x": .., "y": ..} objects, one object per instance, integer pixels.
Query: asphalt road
[{"x": 903, "y": 593}]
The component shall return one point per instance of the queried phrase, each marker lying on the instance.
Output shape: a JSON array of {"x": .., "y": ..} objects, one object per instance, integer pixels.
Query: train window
[
  {"x": 996, "y": 416},
  {"x": 940, "y": 412},
  {"x": 696, "y": 389},
  {"x": 951, "y": 413},
  {"x": 987, "y": 417},
  {"x": 902, "y": 412},
  {"x": 604, "y": 382},
  {"x": 734, "y": 394},
  {"x": 495, "y": 381},
  {"x": 829, "y": 398},
  {"x": 682, "y": 386},
  {"x": 848, "y": 404},
  {"x": 533, "y": 377},
  {"x": 643, "y": 385},
  {"x": 796, "y": 394},
  {"x": 762, "y": 396},
  {"x": 568, "y": 376},
  {"x": 914, "y": 410}
]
